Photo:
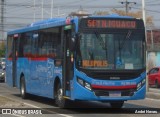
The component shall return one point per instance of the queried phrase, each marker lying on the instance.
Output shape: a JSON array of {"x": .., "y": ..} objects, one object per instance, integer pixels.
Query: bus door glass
[
  {"x": 14, "y": 59},
  {"x": 68, "y": 57},
  {"x": 9, "y": 79}
]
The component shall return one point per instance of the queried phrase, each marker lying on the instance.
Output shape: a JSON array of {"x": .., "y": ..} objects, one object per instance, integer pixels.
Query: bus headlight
[
  {"x": 84, "y": 84},
  {"x": 80, "y": 81},
  {"x": 87, "y": 86},
  {"x": 140, "y": 84}
]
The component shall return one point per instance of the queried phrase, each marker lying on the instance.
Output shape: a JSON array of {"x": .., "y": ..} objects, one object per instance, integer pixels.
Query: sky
[{"x": 19, "y": 13}]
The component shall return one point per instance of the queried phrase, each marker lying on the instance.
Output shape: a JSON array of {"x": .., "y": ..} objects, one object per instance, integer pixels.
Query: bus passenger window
[{"x": 49, "y": 44}]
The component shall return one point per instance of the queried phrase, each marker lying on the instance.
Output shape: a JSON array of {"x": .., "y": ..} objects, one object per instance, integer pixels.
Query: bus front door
[{"x": 68, "y": 63}]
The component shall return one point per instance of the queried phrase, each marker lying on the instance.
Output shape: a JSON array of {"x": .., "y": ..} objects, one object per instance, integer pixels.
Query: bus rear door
[{"x": 14, "y": 60}]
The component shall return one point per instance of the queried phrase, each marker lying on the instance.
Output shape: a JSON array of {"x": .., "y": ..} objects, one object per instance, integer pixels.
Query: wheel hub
[
  {"x": 22, "y": 89},
  {"x": 60, "y": 94}
]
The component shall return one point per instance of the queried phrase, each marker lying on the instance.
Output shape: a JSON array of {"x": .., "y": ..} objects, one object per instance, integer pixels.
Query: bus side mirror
[{"x": 74, "y": 42}]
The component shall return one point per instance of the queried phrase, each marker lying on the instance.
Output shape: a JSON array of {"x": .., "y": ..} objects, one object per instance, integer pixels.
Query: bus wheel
[
  {"x": 117, "y": 104},
  {"x": 23, "y": 88},
  {"x": 59, "y": 99}
]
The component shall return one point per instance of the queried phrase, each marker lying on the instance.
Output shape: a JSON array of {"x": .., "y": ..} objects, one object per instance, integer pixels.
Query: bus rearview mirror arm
[{"x": 73, "y": 42}]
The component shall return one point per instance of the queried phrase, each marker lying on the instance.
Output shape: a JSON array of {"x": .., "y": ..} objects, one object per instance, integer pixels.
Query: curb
[{"x": 153, "y": 95}]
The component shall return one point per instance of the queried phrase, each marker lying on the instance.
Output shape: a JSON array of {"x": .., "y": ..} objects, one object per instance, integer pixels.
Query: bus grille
[
  {"x": 110, "y": 74},
  {"x": 129, "y": 92}
]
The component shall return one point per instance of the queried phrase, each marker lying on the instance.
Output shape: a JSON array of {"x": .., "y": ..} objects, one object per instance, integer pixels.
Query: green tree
[
  {"x": 138, "y": 14},
  {"x": 101, "y": 13},
  {"x": 2, "y": 49}
]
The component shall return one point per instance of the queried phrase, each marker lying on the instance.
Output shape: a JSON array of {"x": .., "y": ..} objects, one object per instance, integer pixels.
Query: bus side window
[
  {"x": 49, "y": 43},
  {"x": 21, "y": 46}
]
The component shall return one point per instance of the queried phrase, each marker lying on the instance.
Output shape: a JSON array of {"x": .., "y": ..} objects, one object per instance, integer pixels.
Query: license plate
[{"x": 115, "y": 94}]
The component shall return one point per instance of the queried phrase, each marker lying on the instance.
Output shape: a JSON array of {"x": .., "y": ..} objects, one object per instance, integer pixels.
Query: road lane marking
[
  {"x": 65, "y": 115},
  {"x": 36, "y": 107},
  {"x": 18, "y": 115},
  {"x": 48, "y": 110},
  {"x": 30, "y": 105}
]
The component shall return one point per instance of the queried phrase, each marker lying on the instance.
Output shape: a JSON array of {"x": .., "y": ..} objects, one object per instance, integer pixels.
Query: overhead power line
[
  {"x": 48, "y": 5},
  {"x": 151, "y": 1},
  {"x": 20, "y": 17},
  {"x": 147, "y": 10},
  {"x": 127, "y": 5}
]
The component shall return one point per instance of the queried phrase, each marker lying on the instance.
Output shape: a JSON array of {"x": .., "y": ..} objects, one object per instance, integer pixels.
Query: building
[{"x": 153, "y": 48}]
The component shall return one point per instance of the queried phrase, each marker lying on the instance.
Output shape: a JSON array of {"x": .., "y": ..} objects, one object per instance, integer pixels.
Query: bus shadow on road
[
  {"x": 38, "y": 99},
  {"x": 84, "y": 107}
]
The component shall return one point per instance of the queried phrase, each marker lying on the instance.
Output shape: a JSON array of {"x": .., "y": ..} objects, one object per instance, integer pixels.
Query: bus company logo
[
  {"x": 6, "y": 111},
  {"x": 50, "y": 69},
  {"x": 102, "y": 83},
  {"x": 41, "y": 69}
]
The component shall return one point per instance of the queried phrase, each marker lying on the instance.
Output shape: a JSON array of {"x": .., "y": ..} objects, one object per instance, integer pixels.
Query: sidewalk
[{"x": 153, "y": 93}]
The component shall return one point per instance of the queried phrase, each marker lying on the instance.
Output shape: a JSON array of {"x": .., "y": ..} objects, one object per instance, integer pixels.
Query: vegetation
[{"x": 2, "y": 49}]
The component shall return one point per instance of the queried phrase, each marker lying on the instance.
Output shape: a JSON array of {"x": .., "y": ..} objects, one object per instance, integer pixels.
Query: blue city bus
[{"x": 96, "y": 58}]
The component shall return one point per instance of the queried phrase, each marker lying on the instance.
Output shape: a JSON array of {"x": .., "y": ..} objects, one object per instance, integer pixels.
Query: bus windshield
[{"x": 111, "y": 50}]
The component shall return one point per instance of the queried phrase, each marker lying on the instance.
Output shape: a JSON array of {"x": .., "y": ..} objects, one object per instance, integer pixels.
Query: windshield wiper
[
  {"x": 124, "y": 40},
  {"x": 102, "y": 43}
]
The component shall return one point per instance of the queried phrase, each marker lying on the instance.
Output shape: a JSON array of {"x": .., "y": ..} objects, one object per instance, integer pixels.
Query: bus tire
[
  {"x": 23, "y": 88},
  {"x": 117, "y": 104},
  {"x": 59, "y": 99}
]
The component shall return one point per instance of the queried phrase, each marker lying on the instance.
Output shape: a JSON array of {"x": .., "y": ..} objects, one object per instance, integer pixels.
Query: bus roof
[
  {"x": 113, "y": 16},
  {"x": 43, "y": 24},
  {"x": 53, "y": 22}
]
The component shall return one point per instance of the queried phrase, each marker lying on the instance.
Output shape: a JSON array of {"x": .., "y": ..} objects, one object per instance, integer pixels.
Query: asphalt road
[{"x": 10, "y": 98}]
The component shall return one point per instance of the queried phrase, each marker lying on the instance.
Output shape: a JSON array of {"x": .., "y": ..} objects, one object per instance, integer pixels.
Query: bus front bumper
[{"x": 81, "y": 93}]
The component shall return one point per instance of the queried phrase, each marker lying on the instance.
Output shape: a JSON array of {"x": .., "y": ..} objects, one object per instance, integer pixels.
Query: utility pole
[
  {"x": 127, "y": 4},
  {"x": 42, "y": 9},
  {"x": 2, "y": 19},
  {"x": 58, "y": 12},
  {"x": 34, "y": 8},
  {"x": 52, "y": 9},
  {"x": 144, "y": 12},
  {"x": 152, "y": 39},
  {"x": 144, "y": 19}
]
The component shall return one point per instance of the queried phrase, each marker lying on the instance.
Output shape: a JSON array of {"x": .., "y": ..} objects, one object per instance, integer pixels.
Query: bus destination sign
[{"x": 99, "y": 23}]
